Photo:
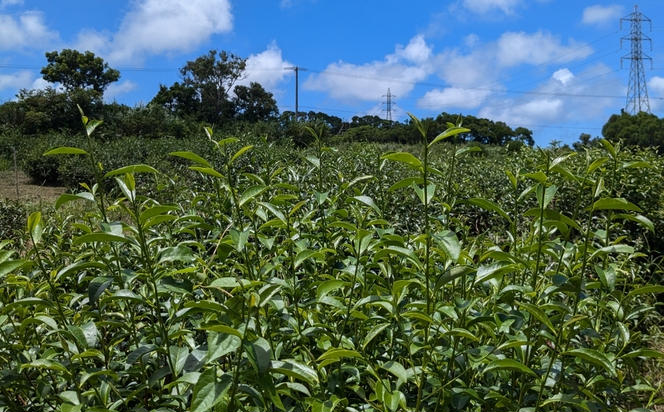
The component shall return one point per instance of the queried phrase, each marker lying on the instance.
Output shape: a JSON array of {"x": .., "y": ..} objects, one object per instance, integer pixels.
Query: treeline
[{"x": 210, "y": 93}]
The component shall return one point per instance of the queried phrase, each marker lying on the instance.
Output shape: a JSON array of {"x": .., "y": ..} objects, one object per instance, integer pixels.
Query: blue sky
[{"x": 550, "y": 65}]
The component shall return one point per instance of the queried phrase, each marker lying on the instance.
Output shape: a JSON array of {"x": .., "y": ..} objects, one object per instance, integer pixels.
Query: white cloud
[
  {"x": 116, "y": 89},
  {"x": 27, "y": 30},
  {"x": 564, "y": 76},
  {"x": 90, "y": 40},
  {"x": 599, "y": 15},
  {"x": 398, "y": 71},
  {"x": 19, "y": 80},
  {"x": 656, "y": 88},
  {"x": 537, "y": 48},
  {"x": 565, "y": 97},
  {"x": 486, "y": 6},
  {"x": 266, "y": 68},
  {"x": 452, "y": 97},
  {"x": 6, "y": 3},
  {"x": 656, "y": 84},
  {"x": 163, "y": 26},
  {"x": 417, "y": 50}
]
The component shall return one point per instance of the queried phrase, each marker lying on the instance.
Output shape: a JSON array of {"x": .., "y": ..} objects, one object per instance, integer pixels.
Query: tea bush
[{"x": 337, "y": 279}]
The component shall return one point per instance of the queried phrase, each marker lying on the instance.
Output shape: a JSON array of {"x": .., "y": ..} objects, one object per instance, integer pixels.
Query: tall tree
[
  {"x": 205, "y": 87},
  {"x": 253, "y": 103},
  {"x": 76, "y": 70}
]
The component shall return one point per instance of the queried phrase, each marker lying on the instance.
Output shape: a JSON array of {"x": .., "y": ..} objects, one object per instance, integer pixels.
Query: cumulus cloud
[
  {"x": 19, "y": 80},
  {"x": 564, "y": 97},
  {"x": 599, "y": 15},
  {"x": 656, "y": 84},
  {"x": 486, "y": 6},
  {"x": 417, "y": 50},
  {"x": 564, "y": 76},
  {"x": 474, "y": 76},
  {"x": 27, "y": 30},
  {"x": 398, "y": 71},
  {"x": 537, "y": 48},
  {"x": 266, "y": 68},
  {"x": 453, "y": 97},
  {"x": 166, "y": 26},
  {"x": 116, "y": 89},
  {"x": 656, "y": 88},
  {"x": 7, "y": 3}
]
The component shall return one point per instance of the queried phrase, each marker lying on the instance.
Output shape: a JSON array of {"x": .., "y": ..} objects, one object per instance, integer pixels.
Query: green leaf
[
  {"x": 207, "y": 171},
  {"x": 91, "y": 125},
  {"x": 66, "y": 150},
  {"x": 240, "y": 153},
  {"x": 405, "y": 183},
  {"x": 539, "y": 315},
  {"x": 373, "y": 332},
  {"x": 643, "y": 290},
  {"x": 488, "y": 272},
  {"x": 140, "y": 168},
  {"x": 328, "y": 286},
  {"x": 208, "y": 392},
  {"x": 640, "y": 219},
  {"x": 404, "y": 157},
  {"x": 99, "y": 237},
  {"x": 251, "y": 193},
  {"x": 35, "y": 227},
  {"x": 367, "y": 201},
  {"x": 607, "y": 276},
  {"x": 313, "y": 160},
  {"x": 594, "y": 357},
  {"x": 431, "y": 189},
  {"x": 220, "y": 344},
  {"x": 396, "y": 369},
  {"x": 615, "y": 204},
  {"x": 452, "y": 131},
  {"x": 336, "y": 354},
  {"x": 295, "y": 369},
  {"x": 449, "y": 242},
  {"x": 97, "y": 286},
  {"x": 67, "y": 197},
  {"x": 567, "y": 399},
  {"x": 191, "y": 156},
  {"x": 179, "y": 253},
  {"x": 509, "y": 364},
  {"x": 489, "y": 206},
  {"x": 259, "y": 354},
  {"x": 10, "y": 266},
  {"x": 46, "y": 364}
]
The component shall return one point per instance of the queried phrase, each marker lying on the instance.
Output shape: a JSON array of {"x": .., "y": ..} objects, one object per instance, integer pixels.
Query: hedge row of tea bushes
[{"x": 235, "y": 274}]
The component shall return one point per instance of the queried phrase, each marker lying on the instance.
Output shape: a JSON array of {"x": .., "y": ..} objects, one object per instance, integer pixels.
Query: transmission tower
[
  {"x": 388, "y": 105},
  {"x": 637, "y": 91}
]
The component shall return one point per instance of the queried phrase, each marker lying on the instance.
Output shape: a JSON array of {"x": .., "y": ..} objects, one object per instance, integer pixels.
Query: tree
[
  {"x": 642, "y": 129},
  {"x": 254, "y": 103},
  {"x": 75, "y": 70},
  {"x": 205, "y": 87}
]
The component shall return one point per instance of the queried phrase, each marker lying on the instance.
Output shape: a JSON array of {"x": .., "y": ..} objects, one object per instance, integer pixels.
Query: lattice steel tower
[
  {"x": 388, "y": 105},
  {"x": 637, "y": 91}
]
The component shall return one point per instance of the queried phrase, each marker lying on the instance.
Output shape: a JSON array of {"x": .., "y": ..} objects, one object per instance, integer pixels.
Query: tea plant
[{"x": 332, "y": 282}]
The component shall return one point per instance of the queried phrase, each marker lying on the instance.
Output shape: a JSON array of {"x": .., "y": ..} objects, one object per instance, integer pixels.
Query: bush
[{"x": 12, "y": 219}]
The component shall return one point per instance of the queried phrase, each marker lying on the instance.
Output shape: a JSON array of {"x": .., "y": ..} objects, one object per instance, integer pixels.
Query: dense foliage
[
  {"x": 248, "y": 276},
  {"x": 642, "y": 129}
]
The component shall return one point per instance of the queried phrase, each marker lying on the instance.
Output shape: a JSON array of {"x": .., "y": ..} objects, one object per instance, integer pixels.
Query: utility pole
[
  {"x": 637, "y": 91},
  {"x": 388, "y": 105},
  {"x": 297, "y": 81}
]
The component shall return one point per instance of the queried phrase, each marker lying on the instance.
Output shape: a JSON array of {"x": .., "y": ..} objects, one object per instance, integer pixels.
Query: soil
[{"x": 27, "y": 190}]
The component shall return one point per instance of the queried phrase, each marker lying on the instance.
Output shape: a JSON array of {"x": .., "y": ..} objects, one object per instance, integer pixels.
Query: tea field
[{"x": 247, "y": 275}]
